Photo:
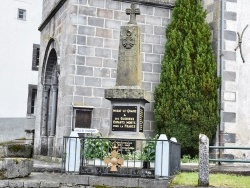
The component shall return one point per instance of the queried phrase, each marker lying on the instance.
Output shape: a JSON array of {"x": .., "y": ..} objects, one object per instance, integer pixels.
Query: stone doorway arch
[{"x": 49, "y": 103}]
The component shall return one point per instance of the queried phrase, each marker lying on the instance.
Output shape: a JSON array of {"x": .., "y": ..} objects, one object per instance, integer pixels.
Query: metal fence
[
  {"x": 229, "y": 160},
  {"x": 175, "y": 158},
  {"x": 120, "y": 157}
]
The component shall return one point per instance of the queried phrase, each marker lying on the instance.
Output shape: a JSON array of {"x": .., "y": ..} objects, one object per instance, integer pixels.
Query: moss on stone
[
  {"x": 104, "y": 186},
  {"x": 5, "y": 143},
  {"x": 1, "y": 175},
  {"x": 16, "y": 148}
]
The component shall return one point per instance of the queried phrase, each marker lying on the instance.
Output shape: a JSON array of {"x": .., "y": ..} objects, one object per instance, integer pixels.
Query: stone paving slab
[{"x": 46, "y": 166}]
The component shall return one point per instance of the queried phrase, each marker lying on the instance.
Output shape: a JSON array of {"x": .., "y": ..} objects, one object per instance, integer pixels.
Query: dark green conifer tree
[{"x": 186, "y": 99}]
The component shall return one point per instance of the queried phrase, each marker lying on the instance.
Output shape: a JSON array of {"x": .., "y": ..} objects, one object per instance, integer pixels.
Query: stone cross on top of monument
[{"x": 133, "y": 11}]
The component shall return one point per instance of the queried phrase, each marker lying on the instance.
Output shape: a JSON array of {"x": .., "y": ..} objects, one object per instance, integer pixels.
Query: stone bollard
[
  {"x": 203, "y": 161},
  {"x": 162, "y": 157}
]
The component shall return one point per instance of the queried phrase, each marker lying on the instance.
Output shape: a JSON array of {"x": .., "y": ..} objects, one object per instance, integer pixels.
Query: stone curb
[
  {"x": 37, "y": 184},
  {"x": 85, "y": 181},
  {"x": 51, "y": 170}
]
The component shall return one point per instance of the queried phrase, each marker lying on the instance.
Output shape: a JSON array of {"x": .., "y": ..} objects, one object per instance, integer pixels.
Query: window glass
[
  {"x": 35, "y": 57},
  {"x": 31, "y": 103},
  {"x": 33, "y": 100},
  {"x": 21, "y": 15},
  {"x": 83, "y": 118}
]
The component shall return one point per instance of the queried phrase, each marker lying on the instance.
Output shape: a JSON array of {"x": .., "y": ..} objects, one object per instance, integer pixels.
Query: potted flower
[
  {"x": 148, "y": 152},
  {"x": 133, "y": 159},
  {"x": 94, "y": 148}
]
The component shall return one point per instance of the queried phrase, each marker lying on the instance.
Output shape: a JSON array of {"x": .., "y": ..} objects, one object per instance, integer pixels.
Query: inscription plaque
[
  {"x": 141, "y": 119},
  {"x": 125, "y": 147},
  {"x": 124, "y": 118}
]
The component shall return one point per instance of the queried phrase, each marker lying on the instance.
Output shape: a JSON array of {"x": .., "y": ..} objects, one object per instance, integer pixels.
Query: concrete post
[{"x": 203, "y": 161}]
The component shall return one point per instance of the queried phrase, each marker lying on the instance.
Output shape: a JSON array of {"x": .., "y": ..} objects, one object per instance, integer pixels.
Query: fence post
[
  {"x": 162, "y": 157},
  {"x": 203, "y": 161},
  {"x": 73, "y": 147}
]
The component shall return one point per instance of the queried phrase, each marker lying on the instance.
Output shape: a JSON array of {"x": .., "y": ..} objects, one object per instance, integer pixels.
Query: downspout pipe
[
  {"x": 222, "y": 25},
  {"x": 75, "y": 69}
]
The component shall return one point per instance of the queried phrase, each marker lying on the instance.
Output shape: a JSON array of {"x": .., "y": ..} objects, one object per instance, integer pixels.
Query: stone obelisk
[{"x": 127, "y": 97}]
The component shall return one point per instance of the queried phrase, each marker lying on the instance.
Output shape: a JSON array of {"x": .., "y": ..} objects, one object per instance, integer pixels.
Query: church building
[{"x": 79, "y": 59}]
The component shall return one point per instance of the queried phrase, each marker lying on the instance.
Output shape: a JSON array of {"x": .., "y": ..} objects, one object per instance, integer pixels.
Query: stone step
[{"x": 18, "y": 141}]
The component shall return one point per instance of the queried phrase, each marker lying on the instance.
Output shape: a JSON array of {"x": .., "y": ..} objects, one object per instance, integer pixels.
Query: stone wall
[
  {"x": 14, "y": 128},
  {"x": 229, "y": 76},
  {"x": 48, "y": 5},
  {"x": 86, "y": 39},
  {"x": 213, "y": 9},
  {"x": 233, "y": 71},
  {"x": 236, "y": 94}
]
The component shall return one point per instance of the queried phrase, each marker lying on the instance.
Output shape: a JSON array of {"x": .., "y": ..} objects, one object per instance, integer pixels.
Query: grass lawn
[{"x": 216, "y": 180}]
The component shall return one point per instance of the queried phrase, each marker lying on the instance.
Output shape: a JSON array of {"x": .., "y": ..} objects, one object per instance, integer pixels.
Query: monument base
[
  {"x": 126, "y": 135},
  {"x": 128, "y": 104},
  {"x": 127, "y": 93}
]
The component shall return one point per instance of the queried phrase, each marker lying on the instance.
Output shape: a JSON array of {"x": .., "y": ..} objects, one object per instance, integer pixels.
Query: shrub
[{"x": 186, "y": 99}]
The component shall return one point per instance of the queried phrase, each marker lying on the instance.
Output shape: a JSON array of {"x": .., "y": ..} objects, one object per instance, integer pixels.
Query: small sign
[
  {"x": 125, "y": 147},
  {"x": 124, "y": 118},
  {"x": 141, "y": 119},
  {"x": 81, "y": 130}
]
